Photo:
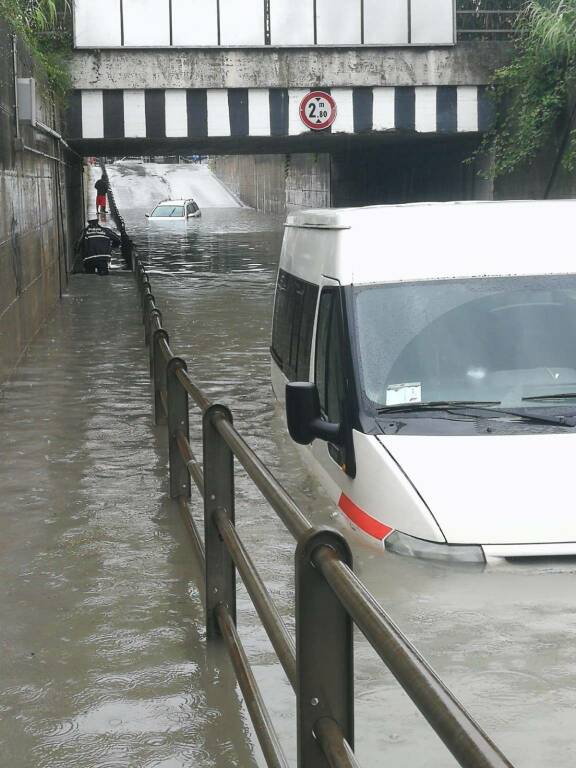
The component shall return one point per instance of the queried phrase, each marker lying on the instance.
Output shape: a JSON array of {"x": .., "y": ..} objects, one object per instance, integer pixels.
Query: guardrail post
[
  {"x": 148, "y": 324},
  {"x": 146, "y": 290},
  {"x": 178, "y": 421},
  {"x": 218, "y": 495},
  {"x": 159, "y": 375},
  {"x": 126, "y": 247},
  {"x": 148, "y": 305},
  {"x": 324, "y": 650},
  {"x": 140, "y": 272},
  {"x": 147, "y": 309},
  {"x": 151, "y": 356}
]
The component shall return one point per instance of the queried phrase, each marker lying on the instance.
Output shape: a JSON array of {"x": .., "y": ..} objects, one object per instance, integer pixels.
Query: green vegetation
[
  {"x": 42, "y": 25},
  {"x": 534, "y": 92}
]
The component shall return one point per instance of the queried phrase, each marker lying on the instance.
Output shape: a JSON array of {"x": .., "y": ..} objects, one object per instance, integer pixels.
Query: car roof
[
  {"x": 427, "y": 241},
  {"x": 176, "y": 202}
]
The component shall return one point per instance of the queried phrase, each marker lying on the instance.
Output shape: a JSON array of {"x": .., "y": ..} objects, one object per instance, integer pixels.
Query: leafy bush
[
  {"x": 41, "y": 24},
  {"x": 532, "y": 93}
]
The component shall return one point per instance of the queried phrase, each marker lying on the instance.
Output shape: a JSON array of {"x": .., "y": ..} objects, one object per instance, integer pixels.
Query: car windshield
[
  {"x": 169, "y": 211},
  {"x": 500, "y": 340}
]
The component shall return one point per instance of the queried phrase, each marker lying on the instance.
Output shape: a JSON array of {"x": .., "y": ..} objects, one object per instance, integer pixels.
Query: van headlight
[{"x": 402, "y": 544}]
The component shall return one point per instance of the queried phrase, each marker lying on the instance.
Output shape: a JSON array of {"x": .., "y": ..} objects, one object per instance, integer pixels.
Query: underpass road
[{"x": 102, "y": 657}]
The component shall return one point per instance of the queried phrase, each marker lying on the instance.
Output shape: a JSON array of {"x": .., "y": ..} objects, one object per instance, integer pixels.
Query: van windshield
[{"x": 498, "y": 340}]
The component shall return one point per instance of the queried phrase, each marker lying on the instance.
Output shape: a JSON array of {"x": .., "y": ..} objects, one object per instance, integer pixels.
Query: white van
[{"x": 427, "y": 354}]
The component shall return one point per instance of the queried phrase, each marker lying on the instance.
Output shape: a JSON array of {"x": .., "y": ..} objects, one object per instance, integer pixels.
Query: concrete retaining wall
[
  {"x": 403, "y": 171},
  {"x": 40, "y": 211},
  {"x": 362, "y": 175},
  {"x": 277, "y": 183},
  {"x": 408, "y": 172},
  {"x": 531, "y": 183}
]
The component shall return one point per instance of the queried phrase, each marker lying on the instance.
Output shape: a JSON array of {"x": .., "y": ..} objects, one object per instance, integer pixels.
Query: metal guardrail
[
  {"x": 329, "y": 596},
  {"x": 127, "y": 247},
  {"x": 473, "y": 22}
]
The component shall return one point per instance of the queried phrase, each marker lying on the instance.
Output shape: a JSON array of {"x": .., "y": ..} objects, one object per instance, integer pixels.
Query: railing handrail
[
  {"x": 279, "y": 499},
  {"x": 466, "y": 740},
  {"x": 324, "y": 578},
  {"x": 457, "y": 729}
]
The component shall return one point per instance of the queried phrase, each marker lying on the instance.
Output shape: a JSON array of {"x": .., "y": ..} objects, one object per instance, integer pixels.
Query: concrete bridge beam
[{"x": 465, "y": 64}]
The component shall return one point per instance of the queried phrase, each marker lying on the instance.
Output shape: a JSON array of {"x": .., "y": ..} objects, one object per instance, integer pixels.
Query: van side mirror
[
  {"x": 305, "y": 422},
  {"x": 147, "y": 215}
]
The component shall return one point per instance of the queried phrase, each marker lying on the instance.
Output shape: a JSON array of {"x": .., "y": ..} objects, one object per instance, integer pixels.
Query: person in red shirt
[{"x": 101, "y": 191}]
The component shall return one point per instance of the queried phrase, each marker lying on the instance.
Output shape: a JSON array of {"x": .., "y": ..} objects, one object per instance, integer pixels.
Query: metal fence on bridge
[
  {"x": 487, "y": 19},
  {"x": 280, "y": 23},
  {"x": 330, "y": 598},
  {"x": 255, "y": 23}
]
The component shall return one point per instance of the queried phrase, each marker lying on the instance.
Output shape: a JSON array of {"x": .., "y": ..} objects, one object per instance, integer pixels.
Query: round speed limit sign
[{"x": 318, "y": 110}]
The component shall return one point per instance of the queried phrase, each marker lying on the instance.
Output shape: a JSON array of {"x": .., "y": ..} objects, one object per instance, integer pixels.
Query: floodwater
[{"x": 103, "y": 657}]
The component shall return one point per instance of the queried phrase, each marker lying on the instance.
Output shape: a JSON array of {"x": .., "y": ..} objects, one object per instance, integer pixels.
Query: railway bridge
[
  {"x": 220, "y": 77},
  {"x": 107, "y": 654}
]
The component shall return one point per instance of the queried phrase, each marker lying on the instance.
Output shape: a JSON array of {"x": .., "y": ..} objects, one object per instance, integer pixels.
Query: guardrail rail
[
  {"x": 126, "y": 246},
  {"x": 330, "y": 598}
]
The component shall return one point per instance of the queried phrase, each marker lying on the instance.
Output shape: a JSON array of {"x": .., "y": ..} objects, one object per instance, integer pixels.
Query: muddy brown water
[{"x": 103, "y": 660}]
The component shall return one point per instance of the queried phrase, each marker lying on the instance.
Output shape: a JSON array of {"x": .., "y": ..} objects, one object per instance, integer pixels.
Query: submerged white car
[
  {"x": 175, "y": 210},
  {"x": 427, "y": 354}
]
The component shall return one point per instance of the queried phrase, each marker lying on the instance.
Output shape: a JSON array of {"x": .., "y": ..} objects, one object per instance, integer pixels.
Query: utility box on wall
[{"x": 27, "y": 99}]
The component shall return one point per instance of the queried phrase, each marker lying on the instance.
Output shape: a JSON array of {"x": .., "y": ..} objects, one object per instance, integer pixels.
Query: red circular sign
[{"x": 318, "y": 110}]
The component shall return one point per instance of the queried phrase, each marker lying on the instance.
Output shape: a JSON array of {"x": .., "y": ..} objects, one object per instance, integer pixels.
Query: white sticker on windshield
[{"x": 399, "y": 394}]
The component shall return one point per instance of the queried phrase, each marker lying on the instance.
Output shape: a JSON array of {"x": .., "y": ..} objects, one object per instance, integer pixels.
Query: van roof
[{"x": 428, "y": 241}]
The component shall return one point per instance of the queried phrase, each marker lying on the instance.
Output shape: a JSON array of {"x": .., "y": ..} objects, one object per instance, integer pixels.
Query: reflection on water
[
  {"x": 103, "y": 653},
  {"x": 237, "y": 241}
]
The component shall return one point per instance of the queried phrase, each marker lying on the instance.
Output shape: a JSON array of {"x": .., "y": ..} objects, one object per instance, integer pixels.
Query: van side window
[
  {"x": 329, "y": 376},
  {"x": 281, "y": 323},
  {"x": 293, "y": 325},
  {"x": 306, "y": 331}
]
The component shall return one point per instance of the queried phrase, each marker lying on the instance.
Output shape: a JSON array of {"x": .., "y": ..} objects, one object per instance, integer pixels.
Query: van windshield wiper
[
  {"x": 441, "y": 404},
  {"x": 480, "y": 405},
  {"x": 558, "y": 396}
]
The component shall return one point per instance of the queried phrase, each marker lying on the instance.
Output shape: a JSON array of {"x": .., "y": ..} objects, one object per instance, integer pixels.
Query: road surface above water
[{"x": 103, "y": 661}]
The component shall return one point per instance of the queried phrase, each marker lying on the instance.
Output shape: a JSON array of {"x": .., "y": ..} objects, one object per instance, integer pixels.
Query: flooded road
[
  {"x": 103, "y": 660},
  {"x": 502, "y": 638}
]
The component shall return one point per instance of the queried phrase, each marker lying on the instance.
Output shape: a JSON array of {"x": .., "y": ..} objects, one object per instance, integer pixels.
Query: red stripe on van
[{"x": 363, "y": 520}]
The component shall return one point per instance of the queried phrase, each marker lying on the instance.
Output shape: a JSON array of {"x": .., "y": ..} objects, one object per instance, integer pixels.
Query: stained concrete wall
[
  {"x": 398, "y": 170},
  {"x": 468, "y": 63},
  {"x": 277, "y": 183},
  {"x": 40, "y": 212},
  {"x": 531, "y": 182},
  {"x": 362, "y": 174}
]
